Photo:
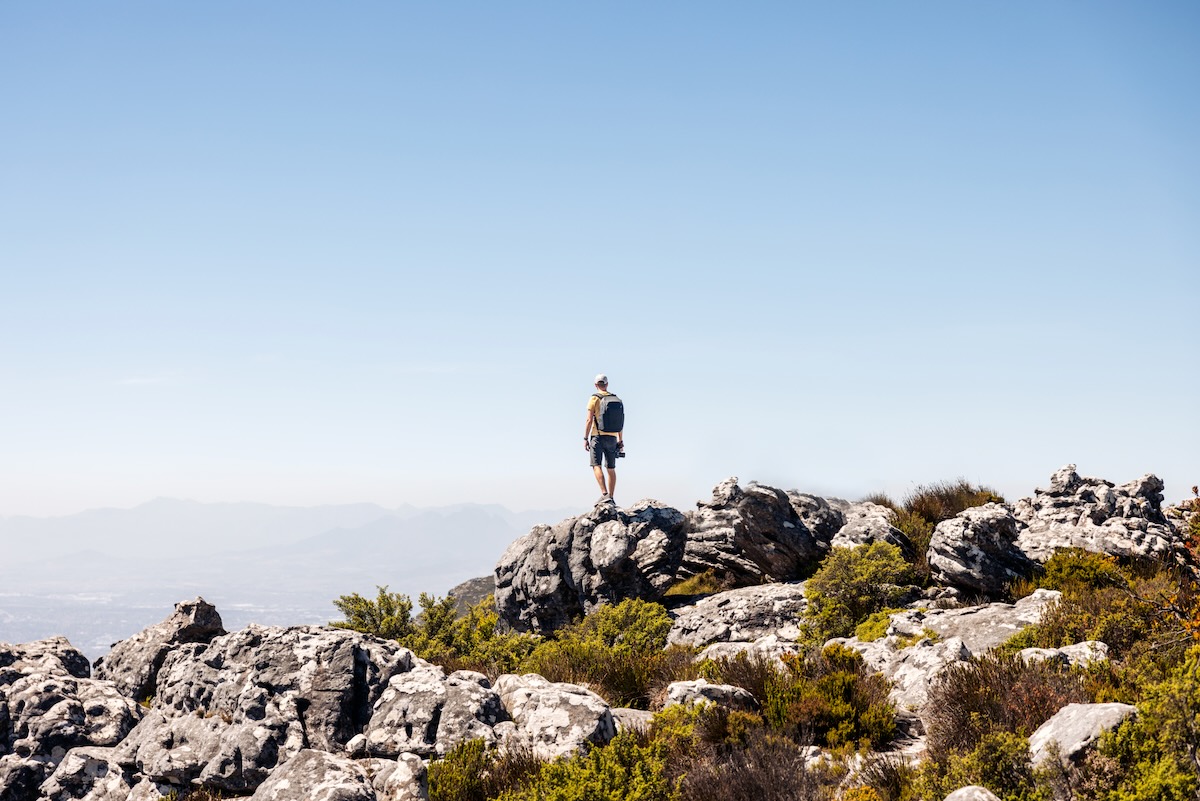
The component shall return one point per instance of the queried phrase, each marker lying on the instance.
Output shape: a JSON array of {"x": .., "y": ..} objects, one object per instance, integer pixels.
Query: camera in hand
[{"x": 621, "y": 451}]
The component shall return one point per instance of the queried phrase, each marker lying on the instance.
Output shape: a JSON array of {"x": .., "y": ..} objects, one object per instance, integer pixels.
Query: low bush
[
  {"x": 630, "y": 768},
  {"x": 619, "y": 651},
  {"x": 893, "y": 778},
  {"x": 705, "y": 583},
  {"x": 853, "y": 583},
  {"x": 943, "y": 500},
  {"x": 875, "y": 626},
  {"x": 473, "y": 772},
  {"x": 994, "y": 693},
  {"x": 826, "y": 696},
  {"x": 999, "y": 762}
]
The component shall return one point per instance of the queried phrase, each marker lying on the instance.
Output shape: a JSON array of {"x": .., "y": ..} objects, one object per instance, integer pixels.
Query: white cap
[{"x": 602, "y": 379}]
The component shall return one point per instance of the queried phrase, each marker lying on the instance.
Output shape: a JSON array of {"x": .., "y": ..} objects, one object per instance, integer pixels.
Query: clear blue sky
[{"x": 311, "y": 252}]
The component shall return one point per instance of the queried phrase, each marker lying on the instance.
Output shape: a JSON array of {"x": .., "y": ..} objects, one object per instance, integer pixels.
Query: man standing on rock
[{"x": 606, "y": 416}]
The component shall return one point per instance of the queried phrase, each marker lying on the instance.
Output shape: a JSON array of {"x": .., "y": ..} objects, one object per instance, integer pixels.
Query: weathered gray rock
[
  {"x": 53, "y": 656},
  {"x": 427, "y": 713},
  {"x": 405, "y": 780},
  {"x": 749, "y": 536},
  {"x": 334, "y": 676},
  {"x": 823, "y": 517},
  {"x": 133, "y": 664},
  {"x": 551, "y": 718},
  {"x": 1075, "y": 728},
  {"x": 772, "y": 647},
  {"x": 865, "y": 523},
  {"x": 741, "y": 615},
  {"x": 1078, "y": 655},
  {"x": 1124, "y": 520},
  {"x": 982, "y": 627},
  {"x": 631, "y": 719},
  {"x": 88, "y": 773},
  {"x": 914, "y": 669},
  {"x": 20, "y": 776},
  {"x": 215, "y": 751},
  {"x": 701, "y": 691},
  {"x": 977, "y": 550},
  {"x": 972, "y": 793},
  {"x": 227, "y": 713},
  {"x": 313, "y": 775},
  {"x": 555, "y": 574}
]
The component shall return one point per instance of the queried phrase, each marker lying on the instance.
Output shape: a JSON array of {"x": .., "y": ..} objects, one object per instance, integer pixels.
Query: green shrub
[
  {"x": 825, "y": 696},
  {"x": 705, "y": 583},
  {"x": 473, "y": 641},
  {"x": 893, "y": 778},
  {"x": 919, "y": 532},
  {"x": 473, "y": 772},
  {"x": 1155, "y": 755},
  {"x": 762, "y": 767},
  {"x": 999, "y": 762},
  {"x": 623, "y": 770},
  {"x": 875, "y": 626},
  {"x": 389, "y": 616},
  {"x": 619, "y": 651},
  {"x": 994, "y": 693},
  {"x": 852, "y": 584}
]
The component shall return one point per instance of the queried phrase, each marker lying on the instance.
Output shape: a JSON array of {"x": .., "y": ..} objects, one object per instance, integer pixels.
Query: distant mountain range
[{"x": 104, "y": 574}]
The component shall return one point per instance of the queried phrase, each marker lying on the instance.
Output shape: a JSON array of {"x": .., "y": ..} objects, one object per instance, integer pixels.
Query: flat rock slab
[
  {"x": 1075, "y": 728},
  {"x": 741, "y": 615}
]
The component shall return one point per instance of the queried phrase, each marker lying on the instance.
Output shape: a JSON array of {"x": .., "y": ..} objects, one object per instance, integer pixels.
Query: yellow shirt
[{"x": 593, "y": 407}]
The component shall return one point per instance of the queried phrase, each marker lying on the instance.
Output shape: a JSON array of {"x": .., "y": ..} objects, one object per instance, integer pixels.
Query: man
[{"x": 605, "y": 446}]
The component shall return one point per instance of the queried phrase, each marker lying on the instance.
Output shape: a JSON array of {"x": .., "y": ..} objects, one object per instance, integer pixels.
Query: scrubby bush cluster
[{"x": 852, "y": 584}]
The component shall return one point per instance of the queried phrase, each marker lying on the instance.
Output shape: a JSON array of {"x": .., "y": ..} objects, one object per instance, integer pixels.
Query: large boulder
[
  {"x": 555, "y": 574},
  {"x": 741, "y": 615},
  {"x": 981, "y": 627},
  {"x": 1074, "y": 729},
  {"x": 551, "y": 719},
  {"x": 700, "y": 691},
  {"x": 1123, "y": 520},
  {"x": 133, "y": 664},
  {"x": 977, "y": 550},
  {"x": 313, "y": 775},
  {"x": 48, "y": 706},
  {"x": 749, "y": 536},
  {"x": 972, "y": 792},
  {"x": 88, "y": 773},
  {"x": 427, "y": 713},
  {"x": 864, "y": 523},
  {"x": 227, "y": 713}
]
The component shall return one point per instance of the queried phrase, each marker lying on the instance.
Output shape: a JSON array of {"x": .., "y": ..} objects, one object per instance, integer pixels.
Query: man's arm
[{"x": 587, "y": 430}]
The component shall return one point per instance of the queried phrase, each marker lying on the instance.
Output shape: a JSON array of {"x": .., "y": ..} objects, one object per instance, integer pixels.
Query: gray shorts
[{"x": 605, "y": 446}]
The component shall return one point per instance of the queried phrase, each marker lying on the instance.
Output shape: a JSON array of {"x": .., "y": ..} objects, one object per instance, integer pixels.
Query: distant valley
[{"x": 102, "y": 575}]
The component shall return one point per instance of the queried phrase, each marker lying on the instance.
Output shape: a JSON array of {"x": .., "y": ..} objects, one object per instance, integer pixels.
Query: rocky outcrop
[
  {"x": 1081, "y": 654},
  {"x": 551, "y": 719},
  {"x": 977, "y": 550},
  {"x": 748, "y": 536},
  {"x": 133, "y": 664},
  {"x": 1124, "y": 520},
  {"x": 701, "y": 691},
  {"x": 558, "y": 573},
  {"x": 49, "y": 705},
  {"x": 985, "y": 548},
  {"x": 741, "y": 615},
  {"x": 1074, "y": 729},
  {"x": 425, "y": 712},
  {"x": 314, "y": 775},
  {"x": 942, "y": 637},
  {"x": 864, "y": 523}
]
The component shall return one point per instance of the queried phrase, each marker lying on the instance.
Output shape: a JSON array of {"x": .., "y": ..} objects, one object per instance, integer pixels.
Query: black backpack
[{"x": 610, "y": 414}]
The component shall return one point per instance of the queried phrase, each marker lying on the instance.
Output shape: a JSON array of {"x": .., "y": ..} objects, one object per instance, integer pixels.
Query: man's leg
[
  {"x": 600, "y": 479},
  {"x": 612, "y": 481}
]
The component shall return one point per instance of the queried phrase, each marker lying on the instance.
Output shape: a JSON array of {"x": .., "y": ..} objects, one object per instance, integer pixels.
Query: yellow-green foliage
[
  {"x": 619, "y": 651},
  {"x": 826, "y": 694},
  {"x": 1155, "y": 755},
  {"x": 875, "y": 626},
  {"x": 623, "y": 770},
  {"x": 388, "y": 616},
  {"x": 472, "y": 641},
  {"x": 473, "y": 772},
  {"x": 704, "y": 583},
  {"x": 999, "y": 762},
  {"x": 852, "y": 584},
  {"x": 919, "y": 532}
]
